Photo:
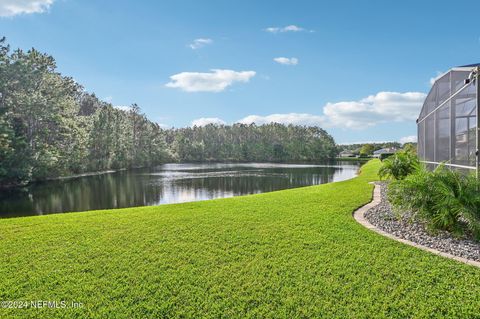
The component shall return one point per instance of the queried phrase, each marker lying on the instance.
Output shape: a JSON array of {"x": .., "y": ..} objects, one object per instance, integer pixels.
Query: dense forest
[
  {"x": 241, "y": 142},
  {"x": 50, "y": 127}
]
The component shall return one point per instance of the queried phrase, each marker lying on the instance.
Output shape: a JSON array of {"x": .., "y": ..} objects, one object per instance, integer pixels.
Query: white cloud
[
  {"x": 214, "y": 81},
  {"x": 164, "y": 126},
  {"x": 374, "y": 109},
  {"x": 10, "y": 8},
  {"x": 121, "y": 107},
  {"x": 409, "y": 139},
  {"x": 292, "y": 28},
  {"x": 288, "y": 28},
  {"x": 199, "y": 43},
  {"x": 435, "y": 78},
  {"x": 365, "y": 142},
  {"x": 207, "y": 120},
  {"x": 288, "y": 118},
  {"x": 272, "y": 29},
  {"x": 286, "y": 61},
  {"x": 107, "y": 99}
]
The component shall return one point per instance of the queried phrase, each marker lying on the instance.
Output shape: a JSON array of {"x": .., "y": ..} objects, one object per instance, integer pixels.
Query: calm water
[{"x": 169, "y": 183}]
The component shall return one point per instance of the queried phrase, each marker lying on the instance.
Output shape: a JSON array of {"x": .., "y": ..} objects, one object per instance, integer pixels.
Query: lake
[{"x": 164, "y": 184}]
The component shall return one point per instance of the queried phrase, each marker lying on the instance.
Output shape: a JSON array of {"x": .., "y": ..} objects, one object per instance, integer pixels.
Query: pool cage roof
[{"x": 448, "y": 122}]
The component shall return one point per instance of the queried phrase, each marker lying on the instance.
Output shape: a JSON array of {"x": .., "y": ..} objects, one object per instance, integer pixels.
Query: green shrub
[
  {"x": 384, "y": 156},
  {"x": 445, "y": 199},
  {"x": 398, "y": 166},
  {"x": 410, "y": 147}
]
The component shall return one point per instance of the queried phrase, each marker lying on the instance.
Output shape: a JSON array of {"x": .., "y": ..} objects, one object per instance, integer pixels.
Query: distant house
[
  {"x": 388, "y": 150},
  {"x": 346, "y": 154}
]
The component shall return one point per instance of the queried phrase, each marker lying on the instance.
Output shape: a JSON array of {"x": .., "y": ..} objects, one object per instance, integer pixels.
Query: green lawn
[
  {"x": 353, "y": 159},
  {"x": 288, "y": 254}
]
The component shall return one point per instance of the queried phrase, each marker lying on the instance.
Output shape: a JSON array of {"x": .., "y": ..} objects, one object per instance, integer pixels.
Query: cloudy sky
[{"x": 359, "y": 69}]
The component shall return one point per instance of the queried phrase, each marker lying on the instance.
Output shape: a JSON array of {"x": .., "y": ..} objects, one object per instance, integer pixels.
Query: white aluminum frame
[{"x": 477, "y": 153}]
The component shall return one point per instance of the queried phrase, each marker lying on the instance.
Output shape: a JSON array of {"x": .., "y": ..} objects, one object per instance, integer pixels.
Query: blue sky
[{"x": 359, "y": 69}]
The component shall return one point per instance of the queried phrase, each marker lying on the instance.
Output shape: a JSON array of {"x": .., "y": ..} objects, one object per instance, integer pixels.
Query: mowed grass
[{"x": 288, "y": 254}]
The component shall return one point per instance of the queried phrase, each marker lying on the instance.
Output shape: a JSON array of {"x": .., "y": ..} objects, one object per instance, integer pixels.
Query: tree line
[
  {"x": 242, "y": 142},
  {"x": 367, "y": 149},
  {"x": 50, "y": 127}
]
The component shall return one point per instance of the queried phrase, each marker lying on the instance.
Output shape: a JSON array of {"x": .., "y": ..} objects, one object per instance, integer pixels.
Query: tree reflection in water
[{"x": 169, "y": 183}]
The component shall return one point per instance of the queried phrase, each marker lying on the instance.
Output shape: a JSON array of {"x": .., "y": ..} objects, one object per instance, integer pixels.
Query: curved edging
[{"x": 359, "y": 216}]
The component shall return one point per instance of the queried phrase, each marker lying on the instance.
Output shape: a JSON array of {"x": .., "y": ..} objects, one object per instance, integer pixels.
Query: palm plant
[
  {"x": 399, "y": 166},
  {"x": 413, "y": 193},
  {"x": 457, "y": 200},
  {"x": 444, "y": 198}
]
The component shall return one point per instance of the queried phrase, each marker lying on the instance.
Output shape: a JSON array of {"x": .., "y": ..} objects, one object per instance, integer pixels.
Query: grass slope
[{"x": 288, "y": 254}]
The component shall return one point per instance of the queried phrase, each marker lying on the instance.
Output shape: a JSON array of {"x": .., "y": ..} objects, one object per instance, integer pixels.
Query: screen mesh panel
[
  {"x": 442, "y": 133},
  {"x": 447, "y": 126}
]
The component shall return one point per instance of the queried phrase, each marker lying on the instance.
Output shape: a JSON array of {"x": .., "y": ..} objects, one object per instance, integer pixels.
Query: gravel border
[{"x": 383, "y": 217}]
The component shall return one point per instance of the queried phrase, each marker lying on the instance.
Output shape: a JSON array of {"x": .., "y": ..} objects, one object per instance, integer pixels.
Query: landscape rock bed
[{"x": 383, "y": 217}]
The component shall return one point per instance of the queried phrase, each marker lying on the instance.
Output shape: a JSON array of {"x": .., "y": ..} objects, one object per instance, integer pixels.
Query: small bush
[
  {"x": 445, "y": 199},
  {"x": 398, "y": 166},
  {"x": 384, "y": 156},
  {"x": 410, "y": 147}
]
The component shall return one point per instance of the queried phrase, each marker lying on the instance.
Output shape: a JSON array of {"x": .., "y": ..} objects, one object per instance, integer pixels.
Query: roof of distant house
[{"x": 385, "y": 150}]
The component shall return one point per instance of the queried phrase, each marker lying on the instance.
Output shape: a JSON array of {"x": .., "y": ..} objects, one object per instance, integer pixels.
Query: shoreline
[
  {"x": 110, "y": 171},
  {"x": 356, "y": 172}
]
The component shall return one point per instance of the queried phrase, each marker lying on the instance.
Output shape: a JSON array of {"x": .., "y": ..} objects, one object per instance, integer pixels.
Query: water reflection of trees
[
  {"x": 138, "y": 188},
  {"x": 248, "y": 184},
  {"x": 124, "y": 189}
]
